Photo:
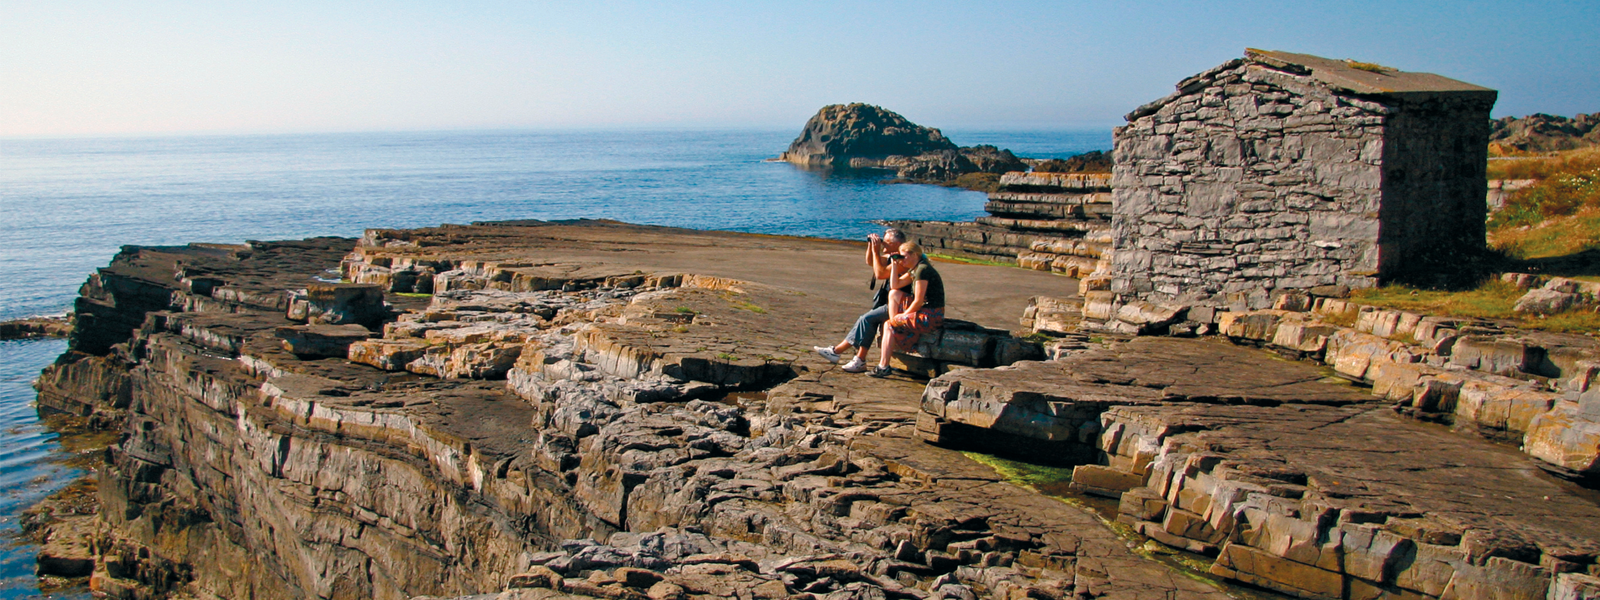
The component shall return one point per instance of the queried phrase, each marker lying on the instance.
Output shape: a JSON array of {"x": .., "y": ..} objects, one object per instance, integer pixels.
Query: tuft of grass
[
  {"x": 1039, "y": 338},
  {"x": 750, "y": 306},
  {"x": 1344, "y": 319},
  {"x": 683, "y": 310},
  {"x": 413, "y": 295},
  {"x": 727, "y": 356},
  {"x": 1369, "y": 67}
]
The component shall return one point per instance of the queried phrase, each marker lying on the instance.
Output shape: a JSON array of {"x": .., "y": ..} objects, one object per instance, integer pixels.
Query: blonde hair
[{"x": 911, "y": 249}]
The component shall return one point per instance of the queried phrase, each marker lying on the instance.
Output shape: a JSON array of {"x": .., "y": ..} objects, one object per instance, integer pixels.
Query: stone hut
[{"x": 1288, "y": 171}]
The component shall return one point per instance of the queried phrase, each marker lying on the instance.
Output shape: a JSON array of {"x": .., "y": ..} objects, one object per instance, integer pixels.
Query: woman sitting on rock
[
  {"x": 916, "y": 303},
  {"x": 866, "y": 328}
]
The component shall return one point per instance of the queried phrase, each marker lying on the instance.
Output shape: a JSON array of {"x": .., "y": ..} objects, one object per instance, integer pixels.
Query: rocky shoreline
[
  {"x": 600, "y": 410},
  {"x": 37, "y": 327},
  {"x": 247, "y": 469}
]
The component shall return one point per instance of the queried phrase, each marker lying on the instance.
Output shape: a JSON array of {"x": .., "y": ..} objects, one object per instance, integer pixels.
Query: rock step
[
  {"x": 1049, "y": 198},
  {"x": 1099, "y": 212},
  {"x": 1064, "y": 181},
  {"x": 1070, "y": 246},
  {"x": 1260, "y": 489},
  {"x": 1062, "y": 225},
  {"x": 1071, "y": 266}
]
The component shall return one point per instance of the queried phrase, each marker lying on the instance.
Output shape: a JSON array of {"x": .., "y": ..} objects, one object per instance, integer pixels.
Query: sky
[{"x": 74, "y": 68}]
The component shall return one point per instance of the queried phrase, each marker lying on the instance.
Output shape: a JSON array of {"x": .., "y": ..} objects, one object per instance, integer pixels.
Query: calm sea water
[
  {"x": 30, "y": 465},
  {"x": 69, "y": 204}
]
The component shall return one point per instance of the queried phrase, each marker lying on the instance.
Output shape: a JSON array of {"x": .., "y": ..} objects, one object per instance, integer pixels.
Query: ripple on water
[{"x": 31, "y": 464}]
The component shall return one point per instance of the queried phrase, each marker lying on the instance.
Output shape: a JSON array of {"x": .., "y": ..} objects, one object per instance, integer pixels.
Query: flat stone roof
[{"x": 1340, "y": 74}]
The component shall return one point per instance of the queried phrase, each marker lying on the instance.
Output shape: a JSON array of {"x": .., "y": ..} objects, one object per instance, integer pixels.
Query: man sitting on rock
[
  {"x": 866, "y": 328},
  {"x": 911, "y": 313}
]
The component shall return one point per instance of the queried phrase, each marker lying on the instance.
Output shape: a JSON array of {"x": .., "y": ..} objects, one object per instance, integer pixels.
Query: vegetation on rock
[{"x": 1557, "y": 215}]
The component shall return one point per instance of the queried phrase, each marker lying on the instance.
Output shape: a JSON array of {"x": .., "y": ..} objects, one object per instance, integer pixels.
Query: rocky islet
[{"x": 863, "y": 136}]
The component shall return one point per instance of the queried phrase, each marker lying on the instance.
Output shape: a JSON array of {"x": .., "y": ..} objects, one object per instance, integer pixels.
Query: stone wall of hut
[{"x": 1252, "y": 179}]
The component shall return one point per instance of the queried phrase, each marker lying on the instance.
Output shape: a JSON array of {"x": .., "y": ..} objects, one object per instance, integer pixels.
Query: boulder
[
  {"x": 1495, "y": 355},
  {"x": 1546, "y": 302},
  {"x": 1566, "y": 437},
  {"x": 339, "y": 304}
]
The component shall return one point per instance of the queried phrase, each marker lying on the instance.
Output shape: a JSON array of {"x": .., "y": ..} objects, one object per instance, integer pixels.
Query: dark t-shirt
[{"x": 924, "y": 271}]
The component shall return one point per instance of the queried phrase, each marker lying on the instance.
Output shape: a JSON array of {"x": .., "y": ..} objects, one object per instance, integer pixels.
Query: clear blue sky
[{"x": 99, "y": 68}]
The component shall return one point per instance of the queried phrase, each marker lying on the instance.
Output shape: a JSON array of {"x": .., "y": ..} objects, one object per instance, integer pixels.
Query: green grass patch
[
  {"x": 1039, "y": 338},
  {"x": 1544, "y": 237},
  {"x": 727, "y": 356},
  {"x": 683, "y": 310},
  {"x": 971, "y": 261},
  {"x": 1576, "y": 321},
  {"x": 1544, "y": 166},
  {"x": 413, "y": 295},
  {"x": 750, "y": 306},
  {"x": 1344, "y": 319},
  {"x": 1491, "y": 300},
  {"x": 1021, "y": 473}
]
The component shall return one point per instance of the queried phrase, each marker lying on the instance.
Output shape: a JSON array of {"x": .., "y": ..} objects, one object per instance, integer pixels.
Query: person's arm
[
  {"x": 897, "y": 278},
  {"x": 921, "y": 287},
  {"x": 880, "y": 265}
]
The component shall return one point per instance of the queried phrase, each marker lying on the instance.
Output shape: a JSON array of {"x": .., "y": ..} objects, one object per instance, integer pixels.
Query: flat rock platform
[{"x": 596, "y": 409}]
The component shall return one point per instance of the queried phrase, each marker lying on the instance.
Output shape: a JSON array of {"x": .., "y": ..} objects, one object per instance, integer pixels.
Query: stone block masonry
[{"x": 1287, "y": 171}]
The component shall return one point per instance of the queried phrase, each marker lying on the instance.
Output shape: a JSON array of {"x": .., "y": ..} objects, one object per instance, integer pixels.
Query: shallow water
[{"x": 31, "y": 463}]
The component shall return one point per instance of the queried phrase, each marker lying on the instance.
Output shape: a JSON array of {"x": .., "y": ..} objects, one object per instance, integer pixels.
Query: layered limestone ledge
[
  {"x": 632, "y": 403},
  {"x": 1284, "y": 480},
  {"x": 1057, "y": 222}
]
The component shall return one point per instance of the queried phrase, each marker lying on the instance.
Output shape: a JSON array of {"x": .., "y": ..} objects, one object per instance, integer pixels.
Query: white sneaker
[
  {"x": 856, "y": 365},
  {"x": 827, "y": 353}
]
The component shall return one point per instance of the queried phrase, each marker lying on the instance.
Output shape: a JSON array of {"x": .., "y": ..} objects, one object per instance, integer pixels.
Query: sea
[{"x": 68, "y": 204}]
